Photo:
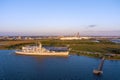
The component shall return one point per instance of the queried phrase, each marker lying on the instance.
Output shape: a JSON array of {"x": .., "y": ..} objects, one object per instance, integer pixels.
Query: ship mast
[{"x": 40, "y": 45}]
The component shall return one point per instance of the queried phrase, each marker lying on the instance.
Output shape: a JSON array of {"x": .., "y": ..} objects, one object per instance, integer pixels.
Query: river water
[{"x": 73, "y": 67}]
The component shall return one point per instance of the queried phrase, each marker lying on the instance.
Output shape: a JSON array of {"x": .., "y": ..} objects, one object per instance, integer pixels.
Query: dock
[{"x": 99, "y": 70}]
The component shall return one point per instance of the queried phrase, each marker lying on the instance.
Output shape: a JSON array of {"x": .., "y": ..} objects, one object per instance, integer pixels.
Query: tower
[{"x": 78, "y": 35}]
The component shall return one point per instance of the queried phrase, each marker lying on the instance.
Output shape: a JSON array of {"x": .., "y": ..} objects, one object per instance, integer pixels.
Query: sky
[{"x": 60, "y": 17}]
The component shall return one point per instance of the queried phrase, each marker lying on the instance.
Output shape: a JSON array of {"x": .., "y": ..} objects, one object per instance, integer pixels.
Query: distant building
[
  {"x": 19, "y": 38},
  {"x": 76, "y": 37},
  {"x": 73, "y": 38},
  {"x": 28, "y": 38}
]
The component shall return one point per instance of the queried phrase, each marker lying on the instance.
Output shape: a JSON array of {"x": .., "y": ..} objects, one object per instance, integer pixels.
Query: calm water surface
[{"x": 16, "y": 67}]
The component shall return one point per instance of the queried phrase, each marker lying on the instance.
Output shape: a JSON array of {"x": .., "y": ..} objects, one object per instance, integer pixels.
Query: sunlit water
[
  {"x": 116, "y": 40},
  {"x": 18, "y": 67}
]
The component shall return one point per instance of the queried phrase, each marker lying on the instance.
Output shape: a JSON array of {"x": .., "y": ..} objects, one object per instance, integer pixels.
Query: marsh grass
[{"x": 104, "y": 46}]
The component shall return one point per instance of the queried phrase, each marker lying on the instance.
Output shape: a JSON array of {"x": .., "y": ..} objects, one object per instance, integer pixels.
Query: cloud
[{"x": 91, "y": 26}]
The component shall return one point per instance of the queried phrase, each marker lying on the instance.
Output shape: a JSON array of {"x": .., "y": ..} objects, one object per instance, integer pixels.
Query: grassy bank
[{"x": 76, "y": 46}]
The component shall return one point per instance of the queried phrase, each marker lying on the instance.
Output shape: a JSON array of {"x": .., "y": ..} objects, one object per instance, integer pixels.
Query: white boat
[{"x": 39, "y": 50}]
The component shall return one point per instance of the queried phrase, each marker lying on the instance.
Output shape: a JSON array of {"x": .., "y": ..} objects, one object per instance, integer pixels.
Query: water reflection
[{"x": 73, "y": 67}]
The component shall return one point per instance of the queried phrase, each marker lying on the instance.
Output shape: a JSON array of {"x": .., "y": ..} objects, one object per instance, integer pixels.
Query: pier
[{"x": 99, "y": 70}]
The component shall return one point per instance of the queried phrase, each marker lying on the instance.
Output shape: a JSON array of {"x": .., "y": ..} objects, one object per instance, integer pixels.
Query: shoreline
[
  {"x": 78, "y": 47},
  {"x": 99, "y": 57},
  {"x": 91, "y": 56}
]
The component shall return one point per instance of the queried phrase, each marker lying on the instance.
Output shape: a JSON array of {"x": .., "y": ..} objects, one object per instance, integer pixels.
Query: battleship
[{"x": 39, "y": 50}]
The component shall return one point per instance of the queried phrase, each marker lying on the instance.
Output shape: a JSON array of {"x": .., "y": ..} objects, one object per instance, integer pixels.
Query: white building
[{"x": 74, "y": 38}]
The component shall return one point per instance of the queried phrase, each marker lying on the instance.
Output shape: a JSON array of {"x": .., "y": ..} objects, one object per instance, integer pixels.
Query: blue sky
[{"x": 60, "y": 17}]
